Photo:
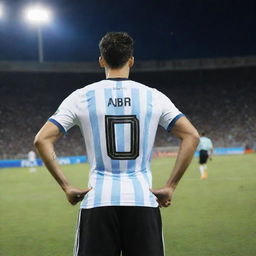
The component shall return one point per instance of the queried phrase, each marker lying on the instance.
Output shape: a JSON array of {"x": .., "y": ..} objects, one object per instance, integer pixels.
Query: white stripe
[
  {"x": 106, "y": 190},
  {"x": 127, "y": 193},
  {"x": 91, "y": 194},
  {"x": 87, "y": 132},
  {"x": 107, "y": 181},
  {"x": 149, "y": 174},
  {"x": 143, "y": 100},
  {"x": 127, "y": 189},
  {"x": 142, "y": 179},
  {"x": 144, "y": 185},
  {"x": 127, "y": 130},
  {"x": 77, "y": 237},
  {"x": 152, "y": 130},
  {"x": 101, "y": 111}
]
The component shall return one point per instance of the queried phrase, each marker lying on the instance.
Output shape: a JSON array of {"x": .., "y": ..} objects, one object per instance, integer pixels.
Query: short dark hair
[{"x": 116, "y": 48}]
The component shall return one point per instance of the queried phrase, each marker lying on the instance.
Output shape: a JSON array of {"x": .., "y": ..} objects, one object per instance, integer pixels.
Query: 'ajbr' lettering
[{"x": 119, "y": 102}]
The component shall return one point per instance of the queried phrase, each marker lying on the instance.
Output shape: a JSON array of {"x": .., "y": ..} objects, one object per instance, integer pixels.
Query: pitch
[{"x": 207, "y": 217}]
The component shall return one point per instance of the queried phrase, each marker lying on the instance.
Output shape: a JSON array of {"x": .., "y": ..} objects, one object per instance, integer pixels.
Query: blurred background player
[
  {"x": 32, "y": 161},
  {"x": 205, "y": 149}
]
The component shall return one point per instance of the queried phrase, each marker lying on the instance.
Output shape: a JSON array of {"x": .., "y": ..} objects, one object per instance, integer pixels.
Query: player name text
[{"x": 119, "y": 102}]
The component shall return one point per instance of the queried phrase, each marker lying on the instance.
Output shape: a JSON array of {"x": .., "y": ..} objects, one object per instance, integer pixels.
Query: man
[
  {"x": 205, "y": 149},
  {"x": 32, "y": 161},
  {"x": 118, "y": 119}
]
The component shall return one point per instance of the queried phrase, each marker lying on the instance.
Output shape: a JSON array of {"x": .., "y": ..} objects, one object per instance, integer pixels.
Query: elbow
[
  {"x": 192, "y": 138},
  {"x": 195, "y": 137},
  {"x": 38, "y": 141}
]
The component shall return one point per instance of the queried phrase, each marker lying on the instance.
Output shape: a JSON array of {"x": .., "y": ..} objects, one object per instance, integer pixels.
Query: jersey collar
[{"x": 117, "y": 79}]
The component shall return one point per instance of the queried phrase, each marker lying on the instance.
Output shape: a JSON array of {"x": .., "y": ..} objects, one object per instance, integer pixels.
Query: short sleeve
[
  {"x": 169, "y": 113},
  {"x": 65, "y": 117}
]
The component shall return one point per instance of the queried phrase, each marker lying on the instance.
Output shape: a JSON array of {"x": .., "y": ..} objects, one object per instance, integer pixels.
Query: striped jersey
[
  {"x": 118, "y": 119},
  {"x": 205, "y": 144}
]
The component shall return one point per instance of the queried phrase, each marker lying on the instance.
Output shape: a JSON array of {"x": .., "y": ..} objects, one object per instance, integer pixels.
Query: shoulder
[
  {"x": 155, "y": 92},
  {"x": 81, "y": 92},
  {"x": 139, "y": 85},
  {"x": 89, "y": 87},
  {"x": 147, "y": 91}
]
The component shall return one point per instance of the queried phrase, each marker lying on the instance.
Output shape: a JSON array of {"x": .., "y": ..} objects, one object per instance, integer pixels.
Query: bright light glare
[
  {"x": 38, "y": 15},
  {"x": 1, "y": 10}
]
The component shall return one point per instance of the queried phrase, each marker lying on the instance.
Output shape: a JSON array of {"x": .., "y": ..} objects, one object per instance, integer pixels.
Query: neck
[{"x": 117, "y": 73}]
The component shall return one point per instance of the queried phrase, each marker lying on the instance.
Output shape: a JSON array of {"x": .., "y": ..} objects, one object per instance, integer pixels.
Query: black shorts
[
  {"x": 110, "y": 230},
  {"x": 203, "y": 156}
]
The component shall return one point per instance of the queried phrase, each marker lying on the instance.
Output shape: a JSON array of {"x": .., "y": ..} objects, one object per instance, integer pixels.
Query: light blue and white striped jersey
[
  {"x": 205, "y": 144},
  {"x": 118, "y": 119}
]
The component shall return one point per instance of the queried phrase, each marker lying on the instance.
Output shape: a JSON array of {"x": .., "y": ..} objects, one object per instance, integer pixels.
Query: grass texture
[{"x": 209, "y": 217}]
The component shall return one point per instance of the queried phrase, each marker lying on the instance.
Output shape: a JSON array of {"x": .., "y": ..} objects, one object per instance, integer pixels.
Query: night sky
[{"x": 162, "y": 29}]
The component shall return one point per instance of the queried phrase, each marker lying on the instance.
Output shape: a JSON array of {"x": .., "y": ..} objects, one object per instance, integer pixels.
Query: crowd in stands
[{"x": 222, "y": 103}]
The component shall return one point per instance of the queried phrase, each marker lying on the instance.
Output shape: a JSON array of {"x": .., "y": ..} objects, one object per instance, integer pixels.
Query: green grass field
[{"x": 213, "y": 217}]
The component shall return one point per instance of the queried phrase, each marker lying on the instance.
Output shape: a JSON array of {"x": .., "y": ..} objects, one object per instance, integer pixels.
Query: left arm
[
  {"x": 44, "y": 143},
  {"x": 184, "y": 130}
]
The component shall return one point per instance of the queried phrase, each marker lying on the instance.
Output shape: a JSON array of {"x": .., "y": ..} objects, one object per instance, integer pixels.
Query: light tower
[{"x": 38, "y": 15}]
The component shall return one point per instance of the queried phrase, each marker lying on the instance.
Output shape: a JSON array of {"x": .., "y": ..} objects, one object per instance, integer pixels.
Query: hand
[
  {"x": 74, "y": 195},
  {"x": 164, "y": 196}
]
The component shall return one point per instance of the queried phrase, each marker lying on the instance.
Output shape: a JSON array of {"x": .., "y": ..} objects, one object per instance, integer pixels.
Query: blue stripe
[
  {"x": 145, "y": 139},
  {"x": 174, "y": 120},
  {"x": 116, "y": 183},
  {"x": 110, "y": 110},
  {"x": 57, "y": 124},
  {"x": 146, "y": 156},
  {"x": 97, "y": 149},
  {"x": 138, "y": 191},
  {"x": 115, "y": 164}
]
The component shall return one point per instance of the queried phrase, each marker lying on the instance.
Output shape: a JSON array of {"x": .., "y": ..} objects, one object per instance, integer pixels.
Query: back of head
[{"x": 116, "y": 48}]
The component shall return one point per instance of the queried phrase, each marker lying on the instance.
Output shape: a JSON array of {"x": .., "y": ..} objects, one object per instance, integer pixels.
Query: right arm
[
  {"x": 44, "y": 143},
  {"x": 185, "y": 131}
]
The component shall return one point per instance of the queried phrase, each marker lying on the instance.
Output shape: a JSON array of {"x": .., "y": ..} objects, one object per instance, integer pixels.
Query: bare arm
[
  {"x": 44, "y": 143},
  {"x": 184, "y": 130}
]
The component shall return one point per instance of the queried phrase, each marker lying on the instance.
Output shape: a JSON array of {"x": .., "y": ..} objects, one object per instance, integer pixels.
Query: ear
[
  {"x": 102, "y": 62},
  {"x": 131, "y": 62}
]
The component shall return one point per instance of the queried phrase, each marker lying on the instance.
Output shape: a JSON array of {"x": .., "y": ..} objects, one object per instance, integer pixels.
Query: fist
[{"x": 75, "y": 195}]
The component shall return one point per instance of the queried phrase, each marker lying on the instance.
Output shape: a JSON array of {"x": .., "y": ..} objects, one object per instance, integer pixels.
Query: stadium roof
[{"x": 140, "y": 66}]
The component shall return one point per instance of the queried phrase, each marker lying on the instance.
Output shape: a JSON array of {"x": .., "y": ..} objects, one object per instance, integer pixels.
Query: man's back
[{"x": 118, "y": 119}]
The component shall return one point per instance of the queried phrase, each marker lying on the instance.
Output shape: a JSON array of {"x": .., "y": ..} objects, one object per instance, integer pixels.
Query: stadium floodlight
[
  {"x": 1, "y": 10},
  {"x": 38, "y": 15}
]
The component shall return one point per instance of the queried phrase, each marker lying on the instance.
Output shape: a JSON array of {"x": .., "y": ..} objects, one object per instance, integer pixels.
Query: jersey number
[{"x": 110, "y": 122}]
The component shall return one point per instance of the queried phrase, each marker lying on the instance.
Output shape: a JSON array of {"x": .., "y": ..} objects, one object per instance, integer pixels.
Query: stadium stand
[{"x": 221, "y": 102}]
